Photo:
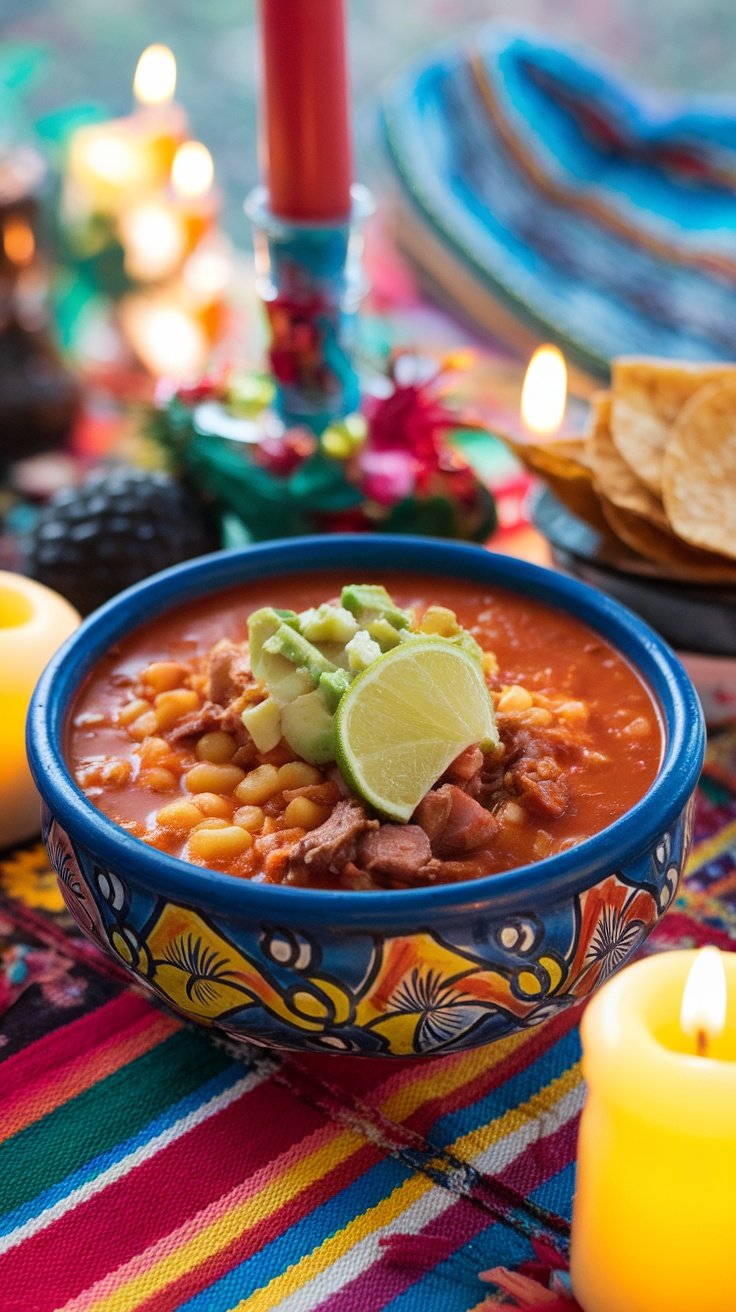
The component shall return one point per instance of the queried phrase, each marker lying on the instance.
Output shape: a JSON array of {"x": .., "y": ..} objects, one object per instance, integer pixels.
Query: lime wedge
[{"x": 405, "y": 718}]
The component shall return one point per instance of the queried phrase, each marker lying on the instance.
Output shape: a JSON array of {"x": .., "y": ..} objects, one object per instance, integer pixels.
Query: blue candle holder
[{"x": 311, "y": 280}]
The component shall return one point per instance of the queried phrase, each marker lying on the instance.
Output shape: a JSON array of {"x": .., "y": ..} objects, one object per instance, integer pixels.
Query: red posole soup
[{"x": 179, "y": 737}]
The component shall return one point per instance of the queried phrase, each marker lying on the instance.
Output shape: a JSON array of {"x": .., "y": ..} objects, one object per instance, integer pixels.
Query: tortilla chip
[
  {"x": 680, "y": 561},
  {"x": 563, "y": 464},
  {"x": 612, "y": 477},
  {"x": 647, "y": 398},
  {"x": 699, "y": 470}
]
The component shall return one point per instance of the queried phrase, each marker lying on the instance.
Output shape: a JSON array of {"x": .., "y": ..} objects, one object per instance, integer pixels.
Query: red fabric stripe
[
  {"x": 155, "y": 1197},
  {"x": 75, "y": 1039},
  {"x": 677, "y": 927},
  {"x": 268, "y": 1229}
]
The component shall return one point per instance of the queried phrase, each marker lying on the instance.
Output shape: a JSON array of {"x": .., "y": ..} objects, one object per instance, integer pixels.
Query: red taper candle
[{"x": 305, "y": 109}]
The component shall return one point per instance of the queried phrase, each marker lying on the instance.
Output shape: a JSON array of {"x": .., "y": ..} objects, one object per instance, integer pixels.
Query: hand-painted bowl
[{"x": 397, "y": 973}]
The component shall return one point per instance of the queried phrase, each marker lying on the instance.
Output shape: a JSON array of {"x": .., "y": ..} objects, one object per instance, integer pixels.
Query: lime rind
[{"x": 405, "y": 719}]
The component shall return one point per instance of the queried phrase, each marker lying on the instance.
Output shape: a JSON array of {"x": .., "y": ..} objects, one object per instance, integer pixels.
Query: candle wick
[{"x": 701, "y": 1043}]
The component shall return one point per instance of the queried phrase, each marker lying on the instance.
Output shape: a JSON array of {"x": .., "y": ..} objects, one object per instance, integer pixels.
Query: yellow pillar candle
[
  {"x": 654, "y": 1218},
  {"x": 34, "y": 621}
]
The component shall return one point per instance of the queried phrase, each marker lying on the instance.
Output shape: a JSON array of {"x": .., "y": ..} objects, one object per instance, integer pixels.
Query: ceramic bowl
[{"x": 398, "y": 973}]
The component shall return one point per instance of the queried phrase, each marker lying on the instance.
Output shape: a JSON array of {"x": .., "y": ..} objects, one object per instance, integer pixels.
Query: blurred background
[
  {"x": 544, "y": 173},
  {"x": 87, "y": 50}
]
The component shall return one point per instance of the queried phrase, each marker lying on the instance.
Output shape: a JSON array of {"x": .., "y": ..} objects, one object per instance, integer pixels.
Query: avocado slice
[
  {"x": 371, "y": 601},
  {"x": 332, "y": 687},
  {"x": 289, "y": 644},
  {"x": 262, "y": 624},
  {"x": 384, "y": 633},
  {"x": 263, "y": 723},
  {"x": 306, "y": 724}
]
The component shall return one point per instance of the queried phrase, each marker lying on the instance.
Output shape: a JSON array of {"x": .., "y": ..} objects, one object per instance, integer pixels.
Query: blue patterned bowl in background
[{"x": 398, "y": 973}]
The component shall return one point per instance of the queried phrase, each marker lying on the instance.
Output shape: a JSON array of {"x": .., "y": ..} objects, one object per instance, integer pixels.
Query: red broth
[{"x": 590, "y": 715}]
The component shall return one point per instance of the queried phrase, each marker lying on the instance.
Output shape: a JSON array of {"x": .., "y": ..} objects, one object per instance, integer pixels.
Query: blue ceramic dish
[{"x": 397, "y": 973}]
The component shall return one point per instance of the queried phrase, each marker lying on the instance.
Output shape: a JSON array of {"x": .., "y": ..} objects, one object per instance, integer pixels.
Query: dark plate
[{"x": 693, "y": 617}]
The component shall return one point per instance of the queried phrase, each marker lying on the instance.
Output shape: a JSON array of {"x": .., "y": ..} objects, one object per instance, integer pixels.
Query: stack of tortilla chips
[{"x": 657, "y": 470}]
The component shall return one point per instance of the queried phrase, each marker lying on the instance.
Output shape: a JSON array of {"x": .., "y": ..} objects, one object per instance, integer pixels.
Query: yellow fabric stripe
[{"x": 277, "y": 1190}]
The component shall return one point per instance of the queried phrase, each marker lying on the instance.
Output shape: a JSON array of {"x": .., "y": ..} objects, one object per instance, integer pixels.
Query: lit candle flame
[
  {"x": 544, "y": 394},
  {"x": 155, "y": 76},
  {"x": 154, "y": 240},
  {"x": 704, "y": 1000},
  {"x": 19, "y": 243},
  {"x": 192, "y": 172},
  {"x": 168, "y": 340}
]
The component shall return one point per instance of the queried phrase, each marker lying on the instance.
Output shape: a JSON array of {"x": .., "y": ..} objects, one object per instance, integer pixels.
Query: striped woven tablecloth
[{"x": 143, "y": 1167}]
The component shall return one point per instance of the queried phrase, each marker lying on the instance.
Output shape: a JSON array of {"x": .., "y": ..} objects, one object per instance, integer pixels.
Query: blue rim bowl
[{"x": 303, "y": 968}]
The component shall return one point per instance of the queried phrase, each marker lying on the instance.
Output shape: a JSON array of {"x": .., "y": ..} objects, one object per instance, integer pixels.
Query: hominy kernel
[
  {"x": 159, "y": 779},
  {"x": 154, "y": 751},
  {"x": 143, "y": 727},
  {"x": 217, "y": 747},
  {"x": 303, "y": 814},
  {"x": 297, "y": 774},
  {"x": 258, "y": 786},
  {"x": 212, "y": 822},
  {"x": 573, "y": 711},
  {"x": 210, "y": 778},
  {"x": 162, "y": 676},
  {"x": 179, "y": 815},
  {"x": 542, "y": 844},
  {"x": 513, "y": 699},
  {"x": 219, "y": 844},
  {"x": 439, "y": 620},
  {"x": 249, "y": 817},
  {"x": 513, "y": 814},
  {"x": 171, "y": 706},
  {"x": 490, "y": 664},
  {"x": 131, "y": 711},
  {"x": 215, "y": 805},
  {"x": 638, "y": 728},
  {"x": 538, "y": 717},
  {"x": 116, "y": 772}
]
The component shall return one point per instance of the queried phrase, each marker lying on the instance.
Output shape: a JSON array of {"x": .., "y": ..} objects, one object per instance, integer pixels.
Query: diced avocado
[
  {"x": 362, "y": 651},
  {"x": 384, "y": 633},
  {"x": 332, "y": 687},
  {"x": 288, "y": 643},
  {"x": 306, "y": 724},
  {"x": 262, "y": 624},
  {"x": 263, "y": 723},
  {"x": 370, "y": 601},
  {"x": 328, "y": 624}
]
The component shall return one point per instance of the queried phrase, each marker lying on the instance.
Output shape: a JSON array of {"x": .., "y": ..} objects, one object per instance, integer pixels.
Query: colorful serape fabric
[
  {"x": 144, "y": 1167},
  {"x": 544, "y": 196}
]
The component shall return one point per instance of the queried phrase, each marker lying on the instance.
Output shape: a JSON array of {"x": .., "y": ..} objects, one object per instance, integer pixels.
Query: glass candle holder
[{"x": 311, "y": 280}]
